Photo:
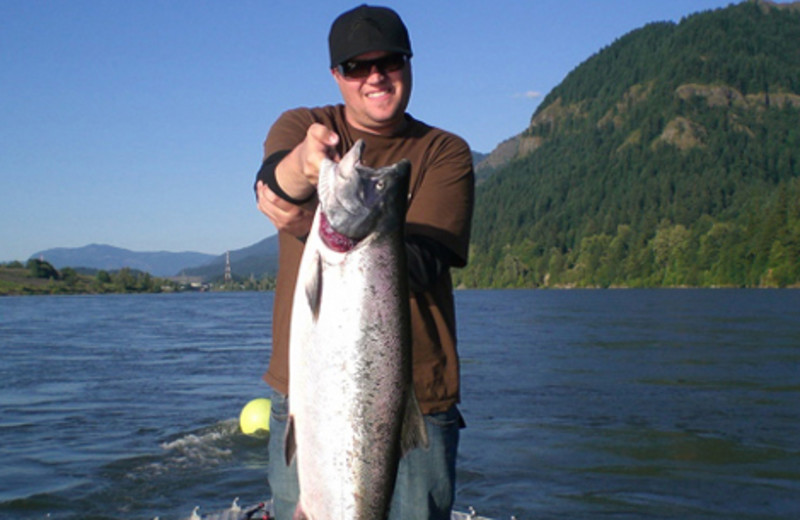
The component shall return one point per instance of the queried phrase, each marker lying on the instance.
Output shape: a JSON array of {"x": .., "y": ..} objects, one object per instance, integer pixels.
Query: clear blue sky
[{"x": 139, "y": 124}]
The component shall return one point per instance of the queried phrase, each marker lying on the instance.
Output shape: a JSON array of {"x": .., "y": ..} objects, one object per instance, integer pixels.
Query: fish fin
[
  {"x": 314, "y": 287},
  {"x": 414, "y": 432},
  {"x": 289, "y": 444}
]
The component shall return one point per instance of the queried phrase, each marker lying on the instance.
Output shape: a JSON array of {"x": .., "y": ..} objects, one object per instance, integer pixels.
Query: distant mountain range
[{"x": 255, "y": 260}]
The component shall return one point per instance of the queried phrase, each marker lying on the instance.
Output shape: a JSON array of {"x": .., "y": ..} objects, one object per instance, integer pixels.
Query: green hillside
[{"x": 669, "y": 158}]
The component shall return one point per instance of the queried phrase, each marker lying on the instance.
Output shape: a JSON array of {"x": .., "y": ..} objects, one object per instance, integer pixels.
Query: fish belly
[{"x": 349, "y": 374}]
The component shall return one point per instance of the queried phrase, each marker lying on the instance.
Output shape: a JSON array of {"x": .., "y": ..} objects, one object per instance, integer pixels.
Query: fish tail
[
  {"x": 299, "y": 514},
  {"x": 414, "y": 432}
]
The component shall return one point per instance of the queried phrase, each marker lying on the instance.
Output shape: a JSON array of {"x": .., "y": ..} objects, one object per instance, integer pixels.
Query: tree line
[{"x": 40, "y": 277}]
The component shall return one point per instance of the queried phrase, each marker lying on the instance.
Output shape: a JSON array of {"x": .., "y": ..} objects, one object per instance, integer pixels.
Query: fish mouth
[{"x": 332, "y": 238}]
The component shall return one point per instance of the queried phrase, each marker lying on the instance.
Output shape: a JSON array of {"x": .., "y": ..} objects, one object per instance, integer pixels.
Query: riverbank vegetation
[{"x": 38, "y": 277}]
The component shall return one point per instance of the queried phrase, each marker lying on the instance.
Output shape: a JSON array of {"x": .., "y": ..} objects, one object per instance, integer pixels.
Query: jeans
[{"x": 426, "y": 477}]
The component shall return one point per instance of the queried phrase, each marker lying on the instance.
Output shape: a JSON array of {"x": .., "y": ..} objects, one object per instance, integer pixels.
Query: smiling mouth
[{"x": 380, "y": 93}]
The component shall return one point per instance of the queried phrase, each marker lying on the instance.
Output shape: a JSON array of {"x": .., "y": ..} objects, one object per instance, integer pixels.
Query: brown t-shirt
[{"x": 440, "y": 208}]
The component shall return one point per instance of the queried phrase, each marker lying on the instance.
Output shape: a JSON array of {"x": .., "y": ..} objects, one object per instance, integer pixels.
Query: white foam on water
[{"x": 205, "y": 447}]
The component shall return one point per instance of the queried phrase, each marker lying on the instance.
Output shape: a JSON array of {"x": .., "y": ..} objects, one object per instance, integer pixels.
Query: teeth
[{"x": 377, "y": 94}]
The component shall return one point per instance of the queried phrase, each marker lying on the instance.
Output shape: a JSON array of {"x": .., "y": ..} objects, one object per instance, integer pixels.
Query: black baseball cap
[{"x": 367, "y": 29}]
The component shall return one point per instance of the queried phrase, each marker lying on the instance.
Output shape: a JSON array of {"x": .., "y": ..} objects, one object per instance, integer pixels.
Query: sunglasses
[{"x": 360, "y": 69}]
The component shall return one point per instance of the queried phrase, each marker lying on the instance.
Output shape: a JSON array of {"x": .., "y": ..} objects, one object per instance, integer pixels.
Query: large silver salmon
[{"x": 353, "y": 412}]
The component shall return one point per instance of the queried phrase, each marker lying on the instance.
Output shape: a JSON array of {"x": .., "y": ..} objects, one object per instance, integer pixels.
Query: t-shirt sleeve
[
  {"x": 442, "y": 200},
  {"x": 288, "y": 131}
]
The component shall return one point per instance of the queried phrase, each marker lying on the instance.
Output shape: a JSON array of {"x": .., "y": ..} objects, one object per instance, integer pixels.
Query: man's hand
[
  {"x": 285, "y": 216},
  {"x": 298, "y": 173}
]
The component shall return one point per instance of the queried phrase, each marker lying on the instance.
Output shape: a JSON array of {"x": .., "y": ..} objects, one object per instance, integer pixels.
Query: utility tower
[{"x": 228, "y": 277}]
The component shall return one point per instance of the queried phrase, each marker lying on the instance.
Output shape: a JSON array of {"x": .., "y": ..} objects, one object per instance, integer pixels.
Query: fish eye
[{"x": 379, "y": 185}]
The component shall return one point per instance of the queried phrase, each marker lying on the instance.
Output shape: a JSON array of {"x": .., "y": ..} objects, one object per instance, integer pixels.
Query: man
[{"x": 370, "y": 55}]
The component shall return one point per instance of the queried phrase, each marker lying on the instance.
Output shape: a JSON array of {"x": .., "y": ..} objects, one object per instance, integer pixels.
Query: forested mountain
[{"x": 669, "y": 158}]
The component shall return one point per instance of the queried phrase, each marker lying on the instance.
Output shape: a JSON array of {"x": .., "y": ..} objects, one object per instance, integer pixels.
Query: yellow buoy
[{"x": 255, "y": 416}]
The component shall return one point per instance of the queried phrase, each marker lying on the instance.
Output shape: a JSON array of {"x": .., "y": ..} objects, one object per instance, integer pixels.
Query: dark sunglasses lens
[
  {"x": 362, "y": 69},
  {"x": 392, "y": 63},
  {"x": 355, "y": 69}
]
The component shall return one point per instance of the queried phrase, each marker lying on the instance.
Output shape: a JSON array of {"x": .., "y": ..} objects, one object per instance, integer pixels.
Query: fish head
[{"x": 356, "y": 200}]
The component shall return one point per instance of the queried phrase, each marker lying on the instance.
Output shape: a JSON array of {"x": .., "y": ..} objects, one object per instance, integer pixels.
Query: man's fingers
[{"x": 322, "y": 134}]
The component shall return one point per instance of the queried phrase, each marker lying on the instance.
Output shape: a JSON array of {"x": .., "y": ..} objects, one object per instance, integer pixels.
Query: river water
[{"x": 629, "y": 404}]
